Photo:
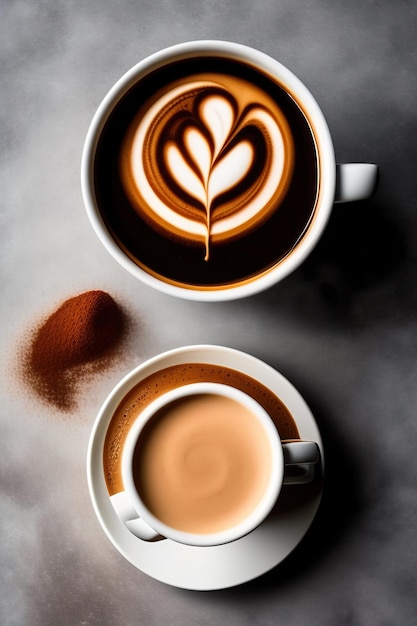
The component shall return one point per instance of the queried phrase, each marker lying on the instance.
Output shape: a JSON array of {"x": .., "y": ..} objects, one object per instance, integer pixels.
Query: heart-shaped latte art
[{"x": 204, "y": 167}]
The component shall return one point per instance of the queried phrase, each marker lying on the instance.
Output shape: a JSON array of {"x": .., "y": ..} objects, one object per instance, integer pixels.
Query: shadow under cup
[{"x": 182, "y": 140}]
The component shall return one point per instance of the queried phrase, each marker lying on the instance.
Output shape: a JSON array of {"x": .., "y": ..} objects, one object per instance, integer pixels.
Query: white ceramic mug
[
  {"x": 336, "y": 183},
  {"x": 214, "y": 461}
]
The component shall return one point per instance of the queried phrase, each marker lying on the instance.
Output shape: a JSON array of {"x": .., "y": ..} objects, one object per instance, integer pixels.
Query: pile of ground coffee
[{"x": 80, "y": 338}]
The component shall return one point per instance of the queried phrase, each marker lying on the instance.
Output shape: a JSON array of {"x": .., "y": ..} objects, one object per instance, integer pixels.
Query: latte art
[
  {"x": 208, "y": 160},
  {"x": 206, "y": 173}
]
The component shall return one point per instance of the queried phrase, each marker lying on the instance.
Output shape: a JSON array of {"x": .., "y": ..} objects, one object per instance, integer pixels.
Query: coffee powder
[{"x": 79, "y": 338}]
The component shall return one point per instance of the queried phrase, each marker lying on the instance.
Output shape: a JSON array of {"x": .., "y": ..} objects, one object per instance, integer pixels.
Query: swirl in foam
[{"x": 208, "y": 159}]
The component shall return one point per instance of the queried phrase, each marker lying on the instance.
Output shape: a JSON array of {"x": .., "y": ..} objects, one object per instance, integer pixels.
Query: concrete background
[{"x": 342, "y": 328}]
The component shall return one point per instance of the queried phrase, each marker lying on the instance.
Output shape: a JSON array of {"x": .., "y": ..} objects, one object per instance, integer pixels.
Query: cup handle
[
  {"x": 355, "y": 181},
  {"x": 127, "y": 514},
  {"x": 300, "y": 458}
]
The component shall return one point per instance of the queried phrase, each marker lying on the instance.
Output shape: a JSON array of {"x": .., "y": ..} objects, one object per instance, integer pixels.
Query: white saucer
[{"x": 217, "y": 567}]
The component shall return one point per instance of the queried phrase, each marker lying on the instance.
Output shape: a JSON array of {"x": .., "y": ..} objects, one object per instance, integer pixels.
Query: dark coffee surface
[
  {"x": 230, "y": 262},
  {"x": 164, "y": 380}
]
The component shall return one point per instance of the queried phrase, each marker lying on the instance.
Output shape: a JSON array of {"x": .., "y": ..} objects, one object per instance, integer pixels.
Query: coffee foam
[
  {"x": 245, "y": 252},
  {"x": 147, "y": 390},
  {"x": 209, "y": 159}
]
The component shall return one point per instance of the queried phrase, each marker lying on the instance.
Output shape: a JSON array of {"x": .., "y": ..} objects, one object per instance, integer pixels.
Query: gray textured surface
[{"x": 342, "y": 328}]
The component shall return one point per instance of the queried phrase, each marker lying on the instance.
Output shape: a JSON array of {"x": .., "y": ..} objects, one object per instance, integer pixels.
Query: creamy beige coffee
[
  {"x": 206, "y": 173},
  {"x": 202, "y": 463},
  {"x": 147, "y": 390}
]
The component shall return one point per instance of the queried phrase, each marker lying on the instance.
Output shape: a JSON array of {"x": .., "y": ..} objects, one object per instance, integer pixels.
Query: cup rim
[
  {"x": 324, "y": 148},
  {"x": 264, "y": 506}
]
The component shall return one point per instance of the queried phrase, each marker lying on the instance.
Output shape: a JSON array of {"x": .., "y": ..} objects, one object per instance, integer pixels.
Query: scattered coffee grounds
[{"x": 77, "y": 340}]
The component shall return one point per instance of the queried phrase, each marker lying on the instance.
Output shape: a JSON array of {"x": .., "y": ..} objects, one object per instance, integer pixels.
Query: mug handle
[
  {"x": 300, "y": 458},
  {"x": 127, "y": 514},
  {"x": 355, "y": 181}
]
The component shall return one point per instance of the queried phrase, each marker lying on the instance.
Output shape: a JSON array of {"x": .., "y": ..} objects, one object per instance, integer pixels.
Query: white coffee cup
[
  {"x": 142, "y": 522},
  {"x": 336, "y": 182}
]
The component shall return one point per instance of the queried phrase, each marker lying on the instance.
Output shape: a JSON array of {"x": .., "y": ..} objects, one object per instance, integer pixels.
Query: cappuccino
[
  {"x": 206, "y": 173},
  {"x": 202, "y": 464}
]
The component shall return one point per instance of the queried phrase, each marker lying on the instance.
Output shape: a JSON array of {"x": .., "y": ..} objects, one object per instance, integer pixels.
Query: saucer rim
[{"x": 217, "y": 567}]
